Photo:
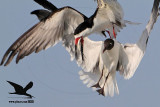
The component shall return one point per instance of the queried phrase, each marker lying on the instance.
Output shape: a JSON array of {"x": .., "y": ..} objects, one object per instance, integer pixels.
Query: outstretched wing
[
  {"x": 59, "y": 26},
  {"x": 132, "y": 54},
  {"x": 16, "y": 86},
  {"x": 30, "y": 84},
  {"x": 91, "y": 54},
  {"x": 46, "y": 4}
]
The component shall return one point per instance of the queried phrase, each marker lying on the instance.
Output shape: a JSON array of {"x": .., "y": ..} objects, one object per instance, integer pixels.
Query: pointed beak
[{"x": 104, "y": 50}]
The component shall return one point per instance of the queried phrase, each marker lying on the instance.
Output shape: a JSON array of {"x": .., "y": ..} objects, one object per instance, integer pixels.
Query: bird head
[{"x": 108, "y": 44}]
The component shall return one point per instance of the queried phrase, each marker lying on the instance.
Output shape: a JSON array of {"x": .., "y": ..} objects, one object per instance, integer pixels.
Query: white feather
[{"x": 123, "y": 58}]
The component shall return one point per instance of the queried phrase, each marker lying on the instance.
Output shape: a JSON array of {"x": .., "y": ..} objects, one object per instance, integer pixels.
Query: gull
[
  {"x": 104, "y": 58},
  {"x": 56, "y": 24},
  {"x": 20, "y": 90}
]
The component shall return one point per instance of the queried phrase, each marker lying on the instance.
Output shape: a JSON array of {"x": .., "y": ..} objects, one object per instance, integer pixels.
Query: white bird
[
  {"x": 103, "y": 59},
  {"x": 108, "y": 15},
  {"x": 56, "y": 24}
]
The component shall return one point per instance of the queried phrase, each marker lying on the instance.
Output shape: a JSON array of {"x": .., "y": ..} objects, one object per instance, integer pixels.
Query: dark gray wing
[
  {"x": 16, "y": 86},
  {"x": 29, "y": 85},
  {"x": 41, "y": 14},
  {"x": 59, "y": 26},
  {"x": 46, "y": 4}
]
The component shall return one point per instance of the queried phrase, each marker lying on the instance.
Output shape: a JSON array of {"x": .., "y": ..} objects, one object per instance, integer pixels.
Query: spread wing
[
  {"x": 93, "y": 66},
  {"x": 16, "y": 86},
  {"x": 29, "y": 85},
  {"x": 46, "y": 4},
  {"x": 132, "y": 54},
  {"x": 59, "y": 26},
  {"x": 91, "y": 53}
]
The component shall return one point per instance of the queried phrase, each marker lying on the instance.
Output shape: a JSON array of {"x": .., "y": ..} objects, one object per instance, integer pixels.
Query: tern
[
  {"x": 108, "y": 15},
  {"x": 20, "y": 90},
  {"x": 104, "y": 58},
  {"x": 56, "y": 24}
]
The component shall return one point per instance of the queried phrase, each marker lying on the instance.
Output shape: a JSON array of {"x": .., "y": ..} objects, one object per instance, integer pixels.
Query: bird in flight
[
  {"x": 104, "y": 58},
  {"x": 108, "y": 15},
  {"x": 56, "y": 24},
  {"x": 20, "y": 90}
]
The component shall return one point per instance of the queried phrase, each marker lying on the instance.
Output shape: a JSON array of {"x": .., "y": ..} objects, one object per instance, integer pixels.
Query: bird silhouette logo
[{"x": 19, "y": 90}]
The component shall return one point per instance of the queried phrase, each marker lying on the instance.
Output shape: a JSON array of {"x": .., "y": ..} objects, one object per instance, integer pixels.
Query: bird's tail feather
[
  {"x": 131, "y": 23},
  {"x": 91, "y": 78},
  {"x": 111, "y": 85}
]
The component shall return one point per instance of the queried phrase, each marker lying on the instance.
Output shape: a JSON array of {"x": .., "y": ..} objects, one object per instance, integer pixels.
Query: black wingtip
[
  {"x": 41, "y": 14},
  {"x": 30, "y": 82},
  {"x": 34, "y": 12},
  {"x": 9, "y": 81},
  {"x": 101, "y": 92},
  {"x": 4, "y": 58},
  {"x": 46, "y": 4},
  {"x": 1, "y": 63}
]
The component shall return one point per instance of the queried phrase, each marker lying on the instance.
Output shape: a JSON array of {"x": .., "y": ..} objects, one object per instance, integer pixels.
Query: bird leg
[
  {"x": 82, "y": 42},
  {"x": 76, "y": 42},
  {"x": 108, "y": 33},
  {"x": 101, "y": 91},
  {"x": 97, "y": 84},
  {"x": 103, "y": 33},
  {"x": 114, "y": 34}
]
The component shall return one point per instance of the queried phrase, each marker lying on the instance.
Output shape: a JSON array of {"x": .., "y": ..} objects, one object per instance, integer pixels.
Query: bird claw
[
  {"x": 96, "y": 85},
  {"x": 82, "y": 42},
  {"x": 108, "y": 33},
  {"x": 101, "y": 91}
]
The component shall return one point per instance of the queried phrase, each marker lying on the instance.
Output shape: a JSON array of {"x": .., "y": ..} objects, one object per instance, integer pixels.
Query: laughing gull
[
  {"x": 56, "y": 24},
  {"x": 103, "y": 59}
]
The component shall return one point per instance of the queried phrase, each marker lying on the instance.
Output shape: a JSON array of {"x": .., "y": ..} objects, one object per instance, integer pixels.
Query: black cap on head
[{"x": 108, "y": 44}]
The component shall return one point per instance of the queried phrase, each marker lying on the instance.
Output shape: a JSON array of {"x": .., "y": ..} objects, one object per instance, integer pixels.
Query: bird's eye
[{"x": 110, "y": 44}]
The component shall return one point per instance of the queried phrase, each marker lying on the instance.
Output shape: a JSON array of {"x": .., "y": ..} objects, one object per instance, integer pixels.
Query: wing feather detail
[
  {"x": 46, "y": 34},
  {"x": 132, "y": 54}
]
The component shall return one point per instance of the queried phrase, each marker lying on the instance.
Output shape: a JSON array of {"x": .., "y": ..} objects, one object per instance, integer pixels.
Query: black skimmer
[
  {"x": 108, "y": 15},
  {"x": 44, "y": 14},
  {"x": 56, "y": 24},
  {"x": 103, "y": 59},
  {"x": 20, "y": 90}
]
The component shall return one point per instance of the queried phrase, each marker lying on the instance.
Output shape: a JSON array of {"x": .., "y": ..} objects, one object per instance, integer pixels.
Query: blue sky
[{"x": 55, "y": 77}]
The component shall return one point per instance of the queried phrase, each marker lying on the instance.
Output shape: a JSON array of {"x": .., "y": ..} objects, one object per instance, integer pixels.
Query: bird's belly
[
  {"x": 110, "y": 59},
  {"x": 101, "y": 24}
]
